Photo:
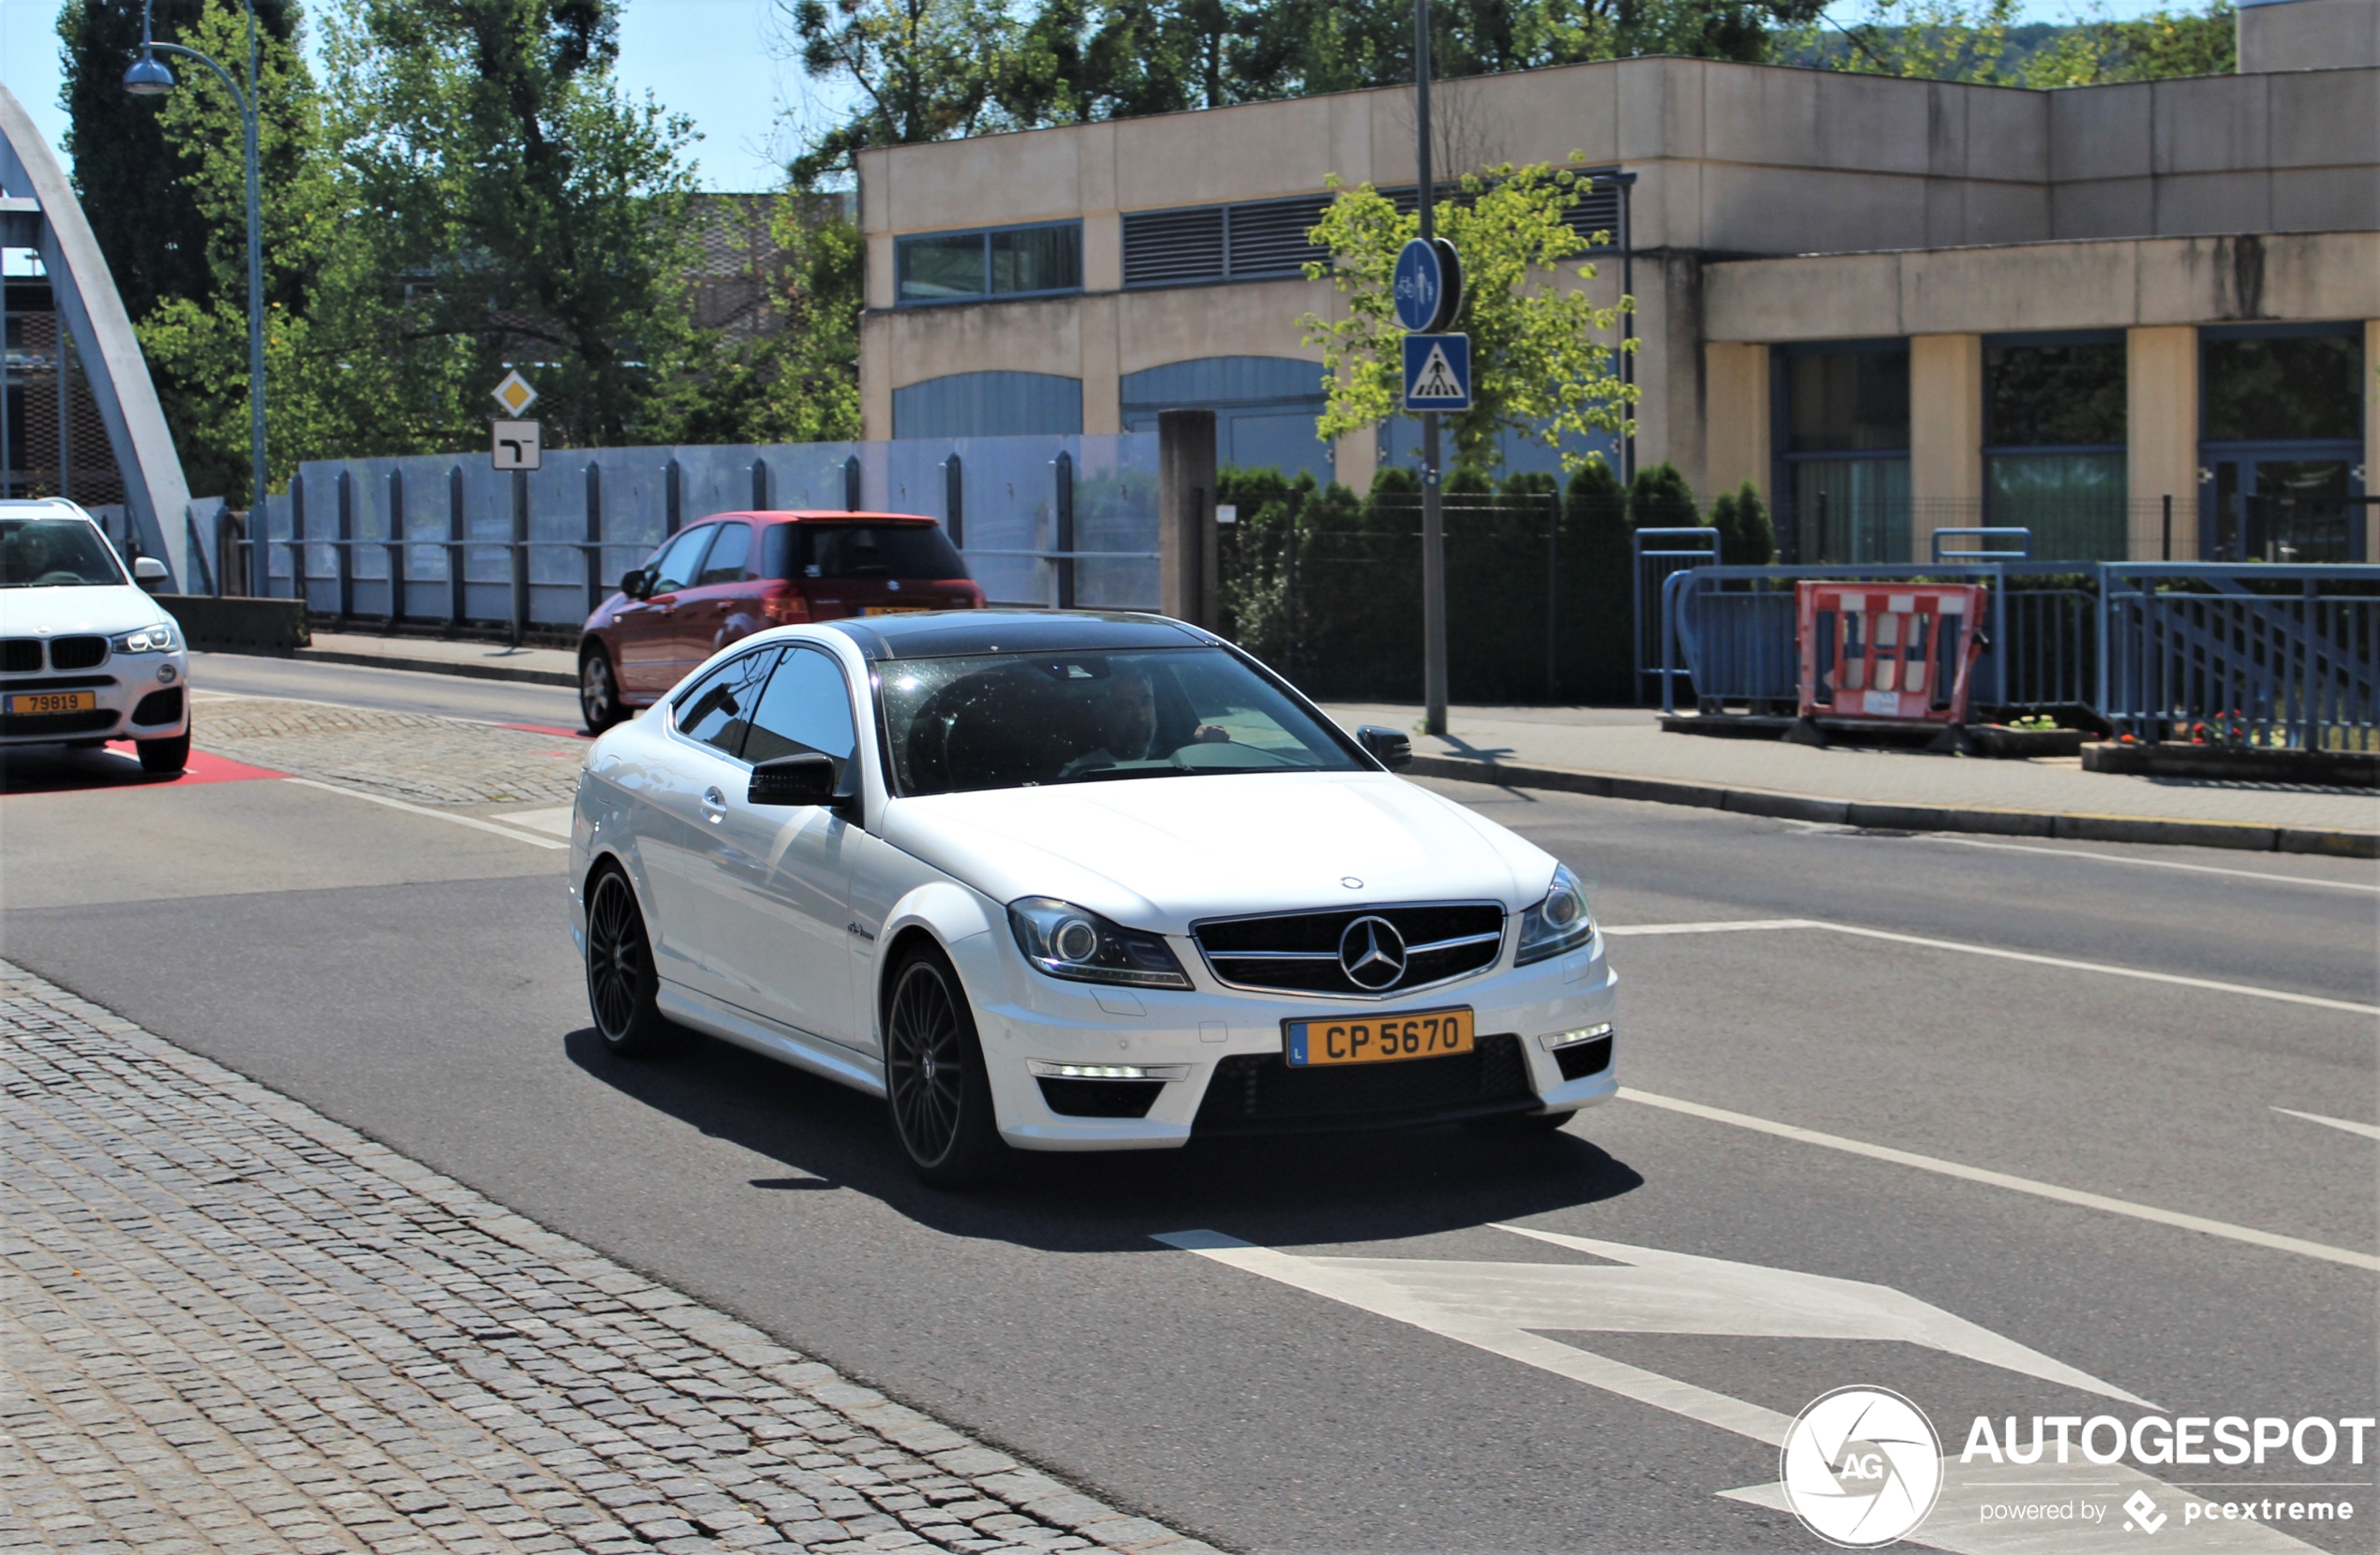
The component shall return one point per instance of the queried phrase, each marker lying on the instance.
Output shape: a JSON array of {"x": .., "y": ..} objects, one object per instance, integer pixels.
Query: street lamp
[{"x": 148, "y": 76}]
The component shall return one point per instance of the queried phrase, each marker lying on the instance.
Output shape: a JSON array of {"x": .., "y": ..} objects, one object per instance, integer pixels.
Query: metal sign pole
[{"x": 1433, "y": 518}]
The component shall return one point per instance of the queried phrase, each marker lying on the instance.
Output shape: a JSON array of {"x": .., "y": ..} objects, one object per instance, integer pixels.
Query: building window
[
  {"x": 1005, "y": 261},
  {"x": 2282, "y": 442},
  {"x": 1845, "y": 422},
  {"x": 2054, "y": 457}
]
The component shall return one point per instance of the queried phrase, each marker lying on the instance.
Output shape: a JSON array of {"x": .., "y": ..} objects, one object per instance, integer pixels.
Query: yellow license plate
[
  {"x": 896, "y": 609},
  {"x": 53, "y": 701},
  {"x": 1378, "y": 1039}
]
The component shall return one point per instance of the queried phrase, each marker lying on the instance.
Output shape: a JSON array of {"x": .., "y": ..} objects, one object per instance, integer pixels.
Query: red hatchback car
[{"x": 734, "y": 574}]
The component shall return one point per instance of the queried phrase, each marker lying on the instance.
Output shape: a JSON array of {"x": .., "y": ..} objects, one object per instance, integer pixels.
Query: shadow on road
[{"x": 1327, "y": 1188}]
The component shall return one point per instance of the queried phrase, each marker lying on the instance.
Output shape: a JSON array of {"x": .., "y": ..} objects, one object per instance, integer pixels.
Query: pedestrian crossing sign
[{"x": 1438, "y": 372}]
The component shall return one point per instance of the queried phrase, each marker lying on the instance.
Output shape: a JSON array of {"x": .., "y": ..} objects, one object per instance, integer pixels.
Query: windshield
[
  {"x": 813, "y": 550},
  {"x": 55, "y": 553},
  {"x": 1020, "y": 720}
]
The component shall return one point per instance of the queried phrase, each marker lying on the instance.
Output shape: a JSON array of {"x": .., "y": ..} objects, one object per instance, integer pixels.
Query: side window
[
  {"x": 673, "y": 569},
  {"x": 718, "y": 708},
  {"x": 725, "y": 562},
  {"x": 806, "y": 708}
]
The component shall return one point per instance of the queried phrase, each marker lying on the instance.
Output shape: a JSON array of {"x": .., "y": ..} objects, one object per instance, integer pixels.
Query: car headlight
[
  {"x": 1070, "y": 941},
  {"x": 1560, "y": 922},
  {"x": 160, "y": 638}
]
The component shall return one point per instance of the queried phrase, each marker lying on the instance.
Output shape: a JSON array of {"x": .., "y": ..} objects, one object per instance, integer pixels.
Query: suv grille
[
  {"x": 1298, "y": 952},
  {"x": 20, "y": 655},
  {"x": 77, "y": 653},
  {"x": 1259, "y": 1092}
]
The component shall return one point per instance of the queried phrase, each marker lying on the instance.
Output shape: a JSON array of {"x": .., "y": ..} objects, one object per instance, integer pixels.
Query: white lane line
[
  {"x": 2370, "y": 1131},
  {"x": 2372, "y": 886},
  {"x": 2245, "y": 989},
  {"x": 471, "y": 820},
  {"x": 554, "y": 821},
  {"x": 2003, "y": 1179}
]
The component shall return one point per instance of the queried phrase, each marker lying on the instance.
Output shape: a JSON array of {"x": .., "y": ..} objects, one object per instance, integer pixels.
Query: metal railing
[
  {"x": 1652, "y": 565},
  {"x": 2246, "y": 655},
  {"x": 1729, "y": 632},
  {"x": 2221, "y": 653}
]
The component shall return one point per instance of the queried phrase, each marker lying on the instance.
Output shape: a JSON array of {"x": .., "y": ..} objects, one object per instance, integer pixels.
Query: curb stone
[
  {"x": 537, "y": 1475},
  {"x": 433, "y": 666},
  {"x": 2244, "y": 835}
]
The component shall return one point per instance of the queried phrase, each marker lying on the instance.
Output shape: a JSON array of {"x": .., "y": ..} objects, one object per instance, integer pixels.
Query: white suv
[{"x": 85, "y": 656}]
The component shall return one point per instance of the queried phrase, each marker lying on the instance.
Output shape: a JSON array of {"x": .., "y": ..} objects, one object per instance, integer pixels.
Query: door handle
[{"x": 714, "y": 802}]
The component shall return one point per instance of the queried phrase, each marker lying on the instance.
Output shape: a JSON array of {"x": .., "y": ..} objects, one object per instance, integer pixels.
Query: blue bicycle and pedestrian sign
[
  {"x": 1420, "y": 281},
  {"x": 1438, "y": 372}
]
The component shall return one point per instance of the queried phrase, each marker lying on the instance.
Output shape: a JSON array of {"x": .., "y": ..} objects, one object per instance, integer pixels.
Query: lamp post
[
  {"x": 1433, "y": 509},
  {"x": 148, "y": 76}
]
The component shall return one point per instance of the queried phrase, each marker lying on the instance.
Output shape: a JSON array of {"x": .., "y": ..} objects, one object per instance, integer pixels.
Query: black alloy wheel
[
  {"x": 621, "y": 980},
  {"x": 934, "y": 1076},
  {"x": 598, "y": 691}
]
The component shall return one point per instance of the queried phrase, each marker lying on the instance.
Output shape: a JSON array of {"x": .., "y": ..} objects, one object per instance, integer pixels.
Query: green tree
[
  {"x": 2157, "y": 47},
  {"x": 197, "y": 341},
  {"x": 801, "y": 383},
  {"x": 1746, "y": 537},
  {"x": 521, "y": 210},
  {"x": 1537, "y": 368},
  {"x": 129, "y": 166},
  {"x": 920, "y": 70},
  {"x": 1659, "y": 498}
]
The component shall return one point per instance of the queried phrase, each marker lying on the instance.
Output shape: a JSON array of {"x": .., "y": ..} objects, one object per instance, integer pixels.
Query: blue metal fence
[
  {"x": 2255, "y": 654},
  {"x": 2242, "y": 655},
  {"x": 446, "y": 538}
]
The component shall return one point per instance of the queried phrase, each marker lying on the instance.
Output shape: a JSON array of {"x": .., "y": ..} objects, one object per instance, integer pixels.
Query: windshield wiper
[{"x": 1114, "y": 773}]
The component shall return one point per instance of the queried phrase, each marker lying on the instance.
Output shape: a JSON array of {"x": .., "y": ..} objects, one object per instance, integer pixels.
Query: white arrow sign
[{"x": 1500, "y": 1307}]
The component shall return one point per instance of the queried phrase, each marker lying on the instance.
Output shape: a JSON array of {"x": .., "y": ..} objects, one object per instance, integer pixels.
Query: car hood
[
  {"x": 106, "y": 609},
  {"x": 1160, "y": 853}
]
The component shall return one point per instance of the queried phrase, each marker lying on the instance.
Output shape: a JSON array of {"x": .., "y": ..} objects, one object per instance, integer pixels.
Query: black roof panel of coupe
[{"x": 947, "y": 633}]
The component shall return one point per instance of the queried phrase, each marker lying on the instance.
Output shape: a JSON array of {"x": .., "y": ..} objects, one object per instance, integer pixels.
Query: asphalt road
[{"x": 414, "y": 979}]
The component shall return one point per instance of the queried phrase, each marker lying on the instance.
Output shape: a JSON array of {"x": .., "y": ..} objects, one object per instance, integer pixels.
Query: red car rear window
[{"x": 905, "y": 551}]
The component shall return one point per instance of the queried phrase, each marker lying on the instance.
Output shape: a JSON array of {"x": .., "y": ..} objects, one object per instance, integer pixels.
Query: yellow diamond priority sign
[{"x": 513, "y": 393}]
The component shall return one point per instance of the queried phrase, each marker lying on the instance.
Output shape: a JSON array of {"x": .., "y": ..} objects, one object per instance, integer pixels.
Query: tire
[
  {"x": 934, "y": 1082},
  {"x": 621, "y": 979},
  {"x": 162, "y": 758},
  {"x": 1517, "y": 1125},
  {"x": 598, "y": 691}
]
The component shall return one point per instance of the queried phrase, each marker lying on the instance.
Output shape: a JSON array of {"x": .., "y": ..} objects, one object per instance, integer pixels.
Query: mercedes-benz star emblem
[{"x": 1372, "y": 952}]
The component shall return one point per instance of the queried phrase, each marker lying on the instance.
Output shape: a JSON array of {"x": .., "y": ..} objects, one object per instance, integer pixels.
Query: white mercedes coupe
[{"x": 1072, "y": 882}]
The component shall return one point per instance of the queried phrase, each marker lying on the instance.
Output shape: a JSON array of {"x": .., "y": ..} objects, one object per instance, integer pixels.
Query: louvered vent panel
[
  {"x": 1598, "y": 211},
  {"x": 1270, "y": 239},
  {"x": 1169, "y": 247}
]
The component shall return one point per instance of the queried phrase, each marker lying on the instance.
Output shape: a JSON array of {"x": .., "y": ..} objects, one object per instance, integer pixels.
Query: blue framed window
[
  {"x": 1043, "y": 259},
  {"x": 1841, "y": 441},
  {"x": 2054, "y": 441},
  {"x": 2281, "y": 442}
]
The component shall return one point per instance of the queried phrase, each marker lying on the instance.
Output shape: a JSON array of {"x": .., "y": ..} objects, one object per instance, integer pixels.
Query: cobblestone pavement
[
  {"x": 414, "y": 756},
  {"x": 228, "y": 1324}
]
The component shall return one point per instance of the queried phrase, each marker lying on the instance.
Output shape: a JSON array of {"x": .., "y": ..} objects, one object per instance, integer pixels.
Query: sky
[{"x": 719, "y": 62}]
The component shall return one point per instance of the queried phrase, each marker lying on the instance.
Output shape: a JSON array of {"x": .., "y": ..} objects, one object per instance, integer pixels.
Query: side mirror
[
  {"x": 634, "y": 583},
  {"x": 1390, "y": 747},
  {"x": 805, "y": 780},
  {"x": 148, "y": 571}
]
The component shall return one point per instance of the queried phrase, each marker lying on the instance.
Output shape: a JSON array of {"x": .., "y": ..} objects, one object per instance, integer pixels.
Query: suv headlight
[
  {"x": 1071, "y": 941},
  {"x": 1560, "y": 922},
  {"x": 160, "y": 638}
]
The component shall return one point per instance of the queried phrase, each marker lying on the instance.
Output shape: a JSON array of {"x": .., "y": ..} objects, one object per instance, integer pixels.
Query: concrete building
[{"x": 1893, "y": 306}]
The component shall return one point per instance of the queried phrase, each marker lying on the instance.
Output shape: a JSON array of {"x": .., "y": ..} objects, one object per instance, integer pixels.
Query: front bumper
[
  {"x": 1216, "y": 1054},
  {"x": 139, "y": 696}
]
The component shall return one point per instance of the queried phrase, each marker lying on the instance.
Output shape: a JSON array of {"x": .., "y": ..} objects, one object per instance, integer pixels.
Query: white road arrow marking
[{"x": 1495, "y": 1307}]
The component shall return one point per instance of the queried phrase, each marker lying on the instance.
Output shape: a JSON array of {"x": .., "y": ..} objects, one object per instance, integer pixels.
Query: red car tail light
[
  {"x": 964, "y": 593},
  {"x": 785, "y": 607}
]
